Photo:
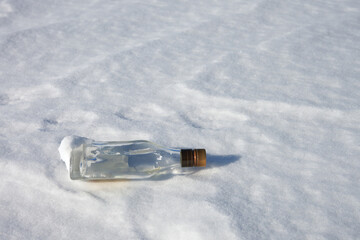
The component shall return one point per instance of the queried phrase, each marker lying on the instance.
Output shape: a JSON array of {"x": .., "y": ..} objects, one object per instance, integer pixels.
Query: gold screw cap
[{"x": 193, "y": 157}]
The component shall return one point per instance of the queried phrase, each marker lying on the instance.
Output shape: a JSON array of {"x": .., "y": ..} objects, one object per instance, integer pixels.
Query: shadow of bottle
[{"x": 220, "y": 160}]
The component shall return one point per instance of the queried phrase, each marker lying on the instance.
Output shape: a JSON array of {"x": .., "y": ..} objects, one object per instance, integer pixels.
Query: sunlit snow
[{"x": 270, "y": 88}]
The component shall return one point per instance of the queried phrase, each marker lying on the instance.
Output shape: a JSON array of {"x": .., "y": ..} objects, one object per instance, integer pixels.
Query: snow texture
[{"x": 270, "y": 88}]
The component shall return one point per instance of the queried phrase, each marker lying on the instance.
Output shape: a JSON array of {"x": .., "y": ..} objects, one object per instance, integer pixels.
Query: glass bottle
[{"x": 87, "y": 159}]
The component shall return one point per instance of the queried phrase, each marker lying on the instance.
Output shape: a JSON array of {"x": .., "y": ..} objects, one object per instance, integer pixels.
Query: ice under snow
[{"x": 270, "y": 88}]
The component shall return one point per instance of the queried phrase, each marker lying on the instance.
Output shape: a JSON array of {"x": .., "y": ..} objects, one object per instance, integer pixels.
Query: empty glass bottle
[{"x": 95, "y": 160}]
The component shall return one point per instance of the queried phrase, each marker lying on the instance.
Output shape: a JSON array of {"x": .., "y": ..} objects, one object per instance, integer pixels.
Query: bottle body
[
  {"x": 101, "y": 160},
  {"x": 129, "y": 160}
]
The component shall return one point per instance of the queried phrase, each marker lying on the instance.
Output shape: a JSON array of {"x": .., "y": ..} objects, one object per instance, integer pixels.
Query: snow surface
[{"x": 270, "y": 88}]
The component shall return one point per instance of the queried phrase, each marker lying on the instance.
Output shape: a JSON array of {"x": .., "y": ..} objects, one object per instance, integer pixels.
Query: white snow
[
  {"x": 65, "y": 150},
  {"x": 270, "y": 88}
]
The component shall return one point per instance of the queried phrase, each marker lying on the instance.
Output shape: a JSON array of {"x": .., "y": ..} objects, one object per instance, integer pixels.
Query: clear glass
[{"x": 123, "y": 160}]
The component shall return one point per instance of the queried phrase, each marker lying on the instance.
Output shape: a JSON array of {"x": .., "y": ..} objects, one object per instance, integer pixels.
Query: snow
[
  {"x": 269, "y": 88},
  {"x": 65, "y": 149}
]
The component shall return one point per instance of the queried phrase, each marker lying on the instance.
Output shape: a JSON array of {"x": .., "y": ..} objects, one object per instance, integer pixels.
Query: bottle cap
[{"x": 193, "y": 157}]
